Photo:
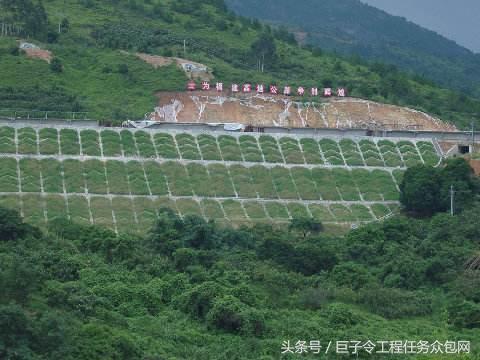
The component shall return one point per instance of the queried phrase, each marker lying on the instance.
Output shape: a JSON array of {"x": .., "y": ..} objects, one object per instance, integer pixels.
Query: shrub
[
  {"x": 464, "y": 315},
  {"x": 233, "y": 316},
  {"x": 56, "y": 65},
  {"x": 395, "y": 303}
]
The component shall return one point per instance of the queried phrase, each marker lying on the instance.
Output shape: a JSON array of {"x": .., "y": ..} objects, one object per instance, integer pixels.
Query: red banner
[{"x": 270, "y": 89}]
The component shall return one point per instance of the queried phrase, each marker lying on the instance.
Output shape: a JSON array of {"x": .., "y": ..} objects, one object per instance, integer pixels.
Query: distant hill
[
  {"x": 352, "y": 27},
  {"x": 94, "y": 63}
]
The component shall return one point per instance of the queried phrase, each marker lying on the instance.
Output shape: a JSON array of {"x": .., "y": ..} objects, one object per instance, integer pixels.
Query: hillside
[
  {"x": 194, "y": 290},
  {"x": 94, "y": 68},
  {"x": 353, "y": 28},
  {"x": 270, "y": 110}
]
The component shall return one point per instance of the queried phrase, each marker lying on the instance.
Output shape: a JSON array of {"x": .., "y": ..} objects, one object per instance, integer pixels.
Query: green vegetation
[
  {"x": 48, "y": 141},
  {"x": 291, "y": 151},
  {"x": 69, "y": 142},
  {"x": 7, "y": 140},
  {"x": 90, "y": 142},
  {"x": 95, "y": 69},
  {"x": 27, "y": 141},
  {"x": 250, "y": 149},
  {"x": 188, "y": 147},
  {"x": 426, "y": 190},
  {"x": 165, "y": 146},
  {"x": 377, "y": 36}
]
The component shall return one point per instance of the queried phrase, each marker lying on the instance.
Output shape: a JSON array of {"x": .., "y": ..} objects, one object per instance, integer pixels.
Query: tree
[
  {"x": 426, "y": 190},
  {"x": 56, "y": 65},
  {"x": 11, "y": 225},
  {"x": 420, "y": 190},
  {"x": 305, "y": 226},
  {"x": 264, "y": 50}
]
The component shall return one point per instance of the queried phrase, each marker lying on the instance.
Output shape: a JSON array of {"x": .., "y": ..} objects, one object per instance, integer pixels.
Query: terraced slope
[{"x": 119, "y": 178}]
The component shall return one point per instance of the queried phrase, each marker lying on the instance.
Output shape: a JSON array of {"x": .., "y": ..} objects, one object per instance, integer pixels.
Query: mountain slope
[
  {"x": 351, "y": 27},
  {"x": 96, "y": 70}
]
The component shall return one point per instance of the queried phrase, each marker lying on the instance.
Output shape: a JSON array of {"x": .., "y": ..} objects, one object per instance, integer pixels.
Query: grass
[
  {"x": 380, "y": 210},
  {"x": 177, "y": 178},
  {"x": 95, "y": 177},
  {"x": 263, "y": 182},
  {"x": 370, "y": 153},
  {"x": 128, "y": 143},
  {"x": 212, "y": 209},
  {"x": 209, "y": 147},
  {"x": 221, "y": 181},
  {"x": 311, "y": 151},
  {"x": 48, "y": 141},
  {"x": 29, "y": 175},
  {"x": 229, "y": 148},
  {"x": 376, "y": 185},
  {"x": 305, "y": 184},
  {"x": 365, "y": 182},
  {"x": 111, "y": 143},
  {"x": 233, "y": 209},
  {"x": 351, "y": 153},
  {"x": 276, "y": 210},
  {"x": 361, "y": 212},
  {"x": 10, "y": 202},
  {"x": 283, "y": 182},
  {"x": 145, "y": 145},
  {"x": 345, "y": 184},
  {"x": 78, "y": 208},
  {"x": 429, "y": 155},
  {"x": 27, "y": 141},
  {"x": 56, "y": 207},
  {"x": 254, "y": 210},
  {"x": 166, "y": 146},
  {"x": 33, "y": 209},
  {"x": 7, "y": 140},
  {"x": 117, "y": 177},
  {"x": 188, "y": 147},
  {"x": 69, "y": 142},
  {"x": 250, "y": 150},
  {"x": 390, "y": 153},
  {"x": 8, "y": 175},
  {"x": 270, "y": 149},
  {"x": 297, "y": 210},
  {"x": 136, "y": 178},
  {"x": 156, "y": 178},
  {"x": 189, "y": 207},
  {"x": 52, "y": 175},
  {"x": 321, "y": 213},
  {"x": 243, "y": 181},
  {"x": 326, "y": 185},
  {"x": 146, "y": 213},
  {"x": 165, "y": 202},
  {"x": 291, "y": 151},
  {"x": 90, "y": 143},
  {"x": 383, "y": 181},
  {"x": 398, "y": 175},
  {"x": 200, "y": 179},
  {"x": 410, "y": 155},
  {"x": 342, "y": 213},
  {"x": 73, "y": 171},
  {"x": 101, "y": 209},
  {"x": 124, "y": 216},
  {"x": 331, "y": 152}
]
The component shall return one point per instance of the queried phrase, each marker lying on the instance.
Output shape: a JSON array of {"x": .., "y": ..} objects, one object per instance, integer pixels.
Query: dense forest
[
  {"x": 351, "y": 27},
  {"x": 94, "y": 68},
  {"x": 193, "y": 290}
]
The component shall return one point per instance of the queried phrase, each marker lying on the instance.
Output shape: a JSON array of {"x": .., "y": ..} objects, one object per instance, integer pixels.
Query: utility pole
[
  {"x": 452, "y": 194},
  {"x": 473, "y": 136},
  {"x": 184, "y": 48}
]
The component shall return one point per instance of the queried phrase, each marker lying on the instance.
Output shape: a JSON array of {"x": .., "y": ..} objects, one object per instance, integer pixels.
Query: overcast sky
[{"x": 458, "y": 20}]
